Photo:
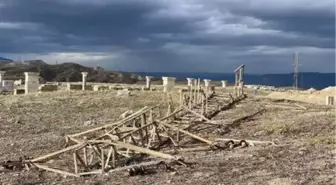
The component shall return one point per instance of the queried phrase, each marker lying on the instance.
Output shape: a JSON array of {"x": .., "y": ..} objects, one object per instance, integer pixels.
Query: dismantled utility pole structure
[
  {"x": 239, "y": 82},
  {"x": 296, "y": 71}
]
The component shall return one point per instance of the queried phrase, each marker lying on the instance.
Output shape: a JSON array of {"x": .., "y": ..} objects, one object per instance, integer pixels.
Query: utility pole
[{"x": 296, "y": 70}]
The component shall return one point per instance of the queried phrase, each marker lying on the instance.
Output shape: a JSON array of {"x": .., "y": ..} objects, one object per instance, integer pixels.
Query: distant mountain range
[
  {"x": 65, "y": 72},
  {"x": 72, "y": 72},
  {"x": 306, "y": 80},
  {"x": 4, "y": 59}
]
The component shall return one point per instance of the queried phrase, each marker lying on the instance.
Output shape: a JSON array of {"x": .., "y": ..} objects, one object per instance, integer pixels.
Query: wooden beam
[
  {"x": 138, "y": 149},
  {"x": 238, "y": 68},
  {"x": 201, "y": 116},
  {"x": 90, "y": 173},
  {"x": 102, "y": 161},
  {"x": 75, "y": 163},
  {"x": 50, "y": 155},
  {"x": 137, "y": 165},
  {"x": 55, "y": 170},
  {"x": 85, "y": 156},
  {"x": 148, "y": 124},
  {"x": 80, "y": 159},
  {"x": 250, "y": 142},
  {"x": 115, "y": 124},
  {"x": 190, "y": 134},
  {"x": 108, "y": 156}
]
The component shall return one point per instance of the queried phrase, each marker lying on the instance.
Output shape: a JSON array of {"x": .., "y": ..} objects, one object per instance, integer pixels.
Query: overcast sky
[{"x": 172, "y": 35}]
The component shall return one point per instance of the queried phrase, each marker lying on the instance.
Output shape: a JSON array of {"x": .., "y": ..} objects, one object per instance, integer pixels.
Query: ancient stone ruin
[
  {"x": 84, "y": 75},
  {"x": 148, "y": 82},
  {"x": 224, "y": 84},
  {"x": 31, "y": 82},
  {"x": 168, "y": 83}
]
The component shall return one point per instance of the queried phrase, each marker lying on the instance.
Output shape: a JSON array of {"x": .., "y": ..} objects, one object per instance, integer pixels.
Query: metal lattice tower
[{"x": 296, "y": 70}]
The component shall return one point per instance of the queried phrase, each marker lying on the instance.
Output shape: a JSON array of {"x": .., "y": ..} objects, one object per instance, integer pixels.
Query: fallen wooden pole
[
  {"x": 196, "y": 149},
  {"x": 134, "y": 115},
  {"x": 137, "y": 148},
  {"x": 250, "y": 142},
  {"x": 137, "y": 165},
  {"x": 148, "y": 124},
  {"x": 190, "y": 134},
  {"x": 55, "y": 170},
  {"x": 44, "y": 157},
  {"x": 201, "y": 116}
]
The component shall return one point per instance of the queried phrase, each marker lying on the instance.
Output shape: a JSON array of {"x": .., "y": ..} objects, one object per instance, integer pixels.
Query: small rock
[
  {"x": 17, "y": 121},
  {"x": 123, "y": 93},
  {"x": 173, "y": 173},
  {"x": 126, "y": 114},
  {"x": 198, "y": 174},
  {"x": 262, "y": 158},
  {"x": 90, "y": 122},
  {"x": 259, "y": 133}
]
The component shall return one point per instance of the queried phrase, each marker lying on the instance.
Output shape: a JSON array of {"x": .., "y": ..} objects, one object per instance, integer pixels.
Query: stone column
[
  {"x": 148, "y": 82},
  {"x": 168, "y": 83},
  {"x": 224, "y": 83},
  {"x": 207, "y": 83},
  {"x": 241, "y": 88},
  {"x": 190, "y": 82},
  {"x": 31, "y": 82},
  {"x": 330, "y": 100},
  {"x": 8, "y": 85},
  {"x": 1, "y": 77},
  {"x": 84, "y": 75}
]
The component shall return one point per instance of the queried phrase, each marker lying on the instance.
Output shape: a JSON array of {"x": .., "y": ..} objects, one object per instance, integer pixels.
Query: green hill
[{"x": 65, "y": 72}]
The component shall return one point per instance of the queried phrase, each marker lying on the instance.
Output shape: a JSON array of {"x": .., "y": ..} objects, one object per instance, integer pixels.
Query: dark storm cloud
[{"x": 171, "y": 35}]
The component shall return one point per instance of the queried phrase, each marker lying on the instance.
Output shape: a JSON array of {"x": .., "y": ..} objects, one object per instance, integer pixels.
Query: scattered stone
[
  {"x": 222, "y": 131},
  {"x": 8, "y": 85},
  {"x": 280, "y": 181},
  {"x": 168, "y": 83},
  {"x": 123, "y": 93},
  {"x": 47, "y": 88},
  {"x": 90, "y": 122},
  {"x": 126, "y": 114},
  {"x": 31, "y": 82},
  {"x": 173, "y": 173},
  {"x": 259, "y": 133}
]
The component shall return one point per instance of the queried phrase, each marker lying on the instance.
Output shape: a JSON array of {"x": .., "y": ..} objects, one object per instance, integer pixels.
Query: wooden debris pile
[{"x": 141, "y": 140}]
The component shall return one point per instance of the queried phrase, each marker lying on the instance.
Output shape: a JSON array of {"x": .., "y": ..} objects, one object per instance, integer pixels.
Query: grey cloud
[{"x": 136, "y": 26}]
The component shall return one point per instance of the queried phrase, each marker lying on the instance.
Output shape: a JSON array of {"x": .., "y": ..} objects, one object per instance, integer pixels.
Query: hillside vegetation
[{"x": 65, "y": 72}]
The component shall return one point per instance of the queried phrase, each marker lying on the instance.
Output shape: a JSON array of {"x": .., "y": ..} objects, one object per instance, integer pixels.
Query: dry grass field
[{"x": 34, "y": 125}]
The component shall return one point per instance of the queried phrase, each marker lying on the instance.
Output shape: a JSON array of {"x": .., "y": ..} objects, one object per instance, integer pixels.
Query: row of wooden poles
[
  {"x": 194, "y": 96},
  {"x": 150, "y": 120}
]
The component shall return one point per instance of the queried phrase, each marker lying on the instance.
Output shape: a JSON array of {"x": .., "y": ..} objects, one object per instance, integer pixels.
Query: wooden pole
[
  {"x": 44, "y": 157},
  {"x": 181, "y": 98},
  {"x": 190, "y": 134},
  {"x": 85, "y": 156},
  {"x": 201, "y": 116},
  {"x": 202, "y": 108},
  {"x": 75, "y": 163},
  {"x": 250, "y": 142},
  {"x": 190, "y": 95},
  {"x": 138, "y": 149},
  {"x": 55, "y": 170},
  {"x": 102, "y": 161},
  {"x": 116, "y": 124},
  {"x": 114, "y": 156},
  {"x": 206, "y": 102},
  {"x": 109, "y": 156},
  {"x": 195, "y": 98}
]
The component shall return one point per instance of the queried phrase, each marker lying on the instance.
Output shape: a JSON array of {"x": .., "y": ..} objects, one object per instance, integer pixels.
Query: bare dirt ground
[{"x": 305, "y": 154}]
